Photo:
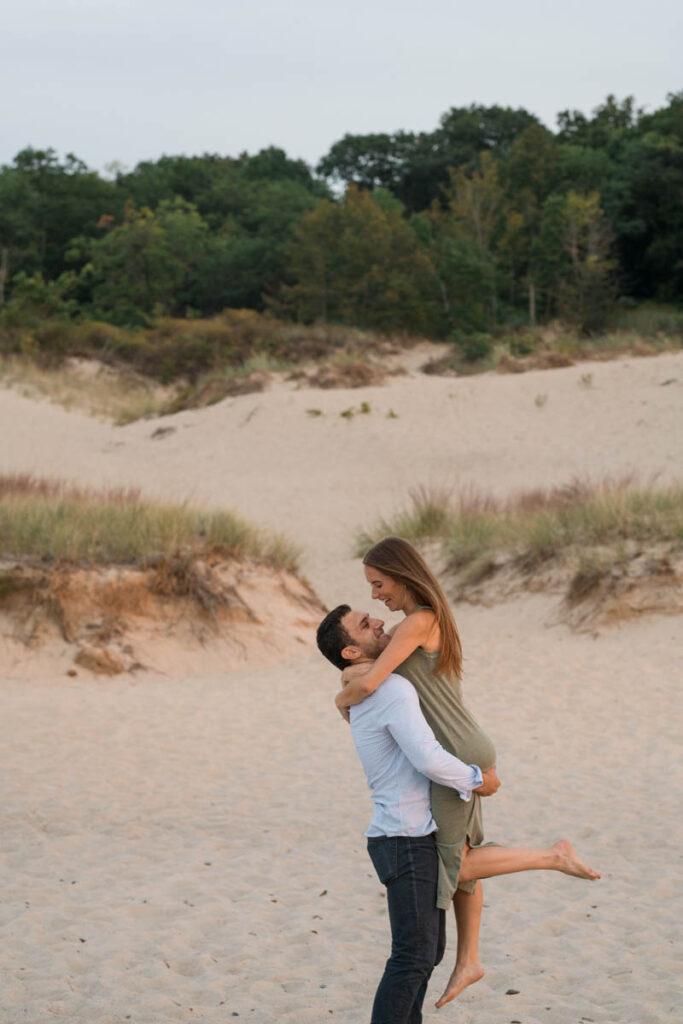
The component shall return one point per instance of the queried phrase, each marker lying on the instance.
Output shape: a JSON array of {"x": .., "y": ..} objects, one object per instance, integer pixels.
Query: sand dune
[
  {"x": 318, "y": 478},
  {"x": 191, "y": 849}
]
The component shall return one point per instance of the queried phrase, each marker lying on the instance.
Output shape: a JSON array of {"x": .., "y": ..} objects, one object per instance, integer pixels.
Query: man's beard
[{"x": 373, "y": 652}]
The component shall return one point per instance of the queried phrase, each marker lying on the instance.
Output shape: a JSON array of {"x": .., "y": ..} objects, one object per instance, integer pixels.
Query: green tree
[
  {"x": 44, "y": 203},
  {"x": 530, "y": 173},
  {"x": 609, "y": 118},
  {"x": 460, "y": 231},
  {"x": 463, "y": 276},
  {"x": 369, "y": 161},
  {"x": 21, "y": 239},
  {"x": 148, "y": 264},
  {"x": 252, "y": 225},
  {"x": 359, "y": 262},
  {"x": 416, "y": 166},
  {"x": 574, "y": 262},
  {"x": 218, "y": 186},
  {"x": 644, "y": 203}
]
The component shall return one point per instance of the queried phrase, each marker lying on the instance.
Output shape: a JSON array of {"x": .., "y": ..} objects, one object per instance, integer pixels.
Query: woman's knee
[{"x": 464, "y": 874}]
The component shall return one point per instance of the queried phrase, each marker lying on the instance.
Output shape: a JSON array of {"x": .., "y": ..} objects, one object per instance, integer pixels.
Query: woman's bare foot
[
  {"x": 569, "y": 863},
  {"x": 459, "y": 980}
]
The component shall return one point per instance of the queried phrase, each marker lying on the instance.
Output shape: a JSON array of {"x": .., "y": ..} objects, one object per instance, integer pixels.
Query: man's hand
[{"x": 491, "y": 783}]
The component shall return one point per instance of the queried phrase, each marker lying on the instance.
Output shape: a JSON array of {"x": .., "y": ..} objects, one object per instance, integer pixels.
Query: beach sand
[{"x": 191, "y": 849}]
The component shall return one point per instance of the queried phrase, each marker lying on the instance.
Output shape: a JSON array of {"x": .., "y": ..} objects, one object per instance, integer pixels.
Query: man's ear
[{"x": 351, "y": 652}]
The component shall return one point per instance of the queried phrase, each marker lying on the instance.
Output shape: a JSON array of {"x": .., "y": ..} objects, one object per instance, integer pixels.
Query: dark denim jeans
[{"x": 409, "y": 869}]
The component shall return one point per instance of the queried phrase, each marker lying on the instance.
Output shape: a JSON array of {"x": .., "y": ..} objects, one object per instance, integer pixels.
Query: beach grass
[
  {"x": 124, "y": 375},
  {"x": 51, "y": 521},
  {"x": 555, "y": 346},
  {"x": 595, "y": 520},
  {"x": 113, "y": 394}
]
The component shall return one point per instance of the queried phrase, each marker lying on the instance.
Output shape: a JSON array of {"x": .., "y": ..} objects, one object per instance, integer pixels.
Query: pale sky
[{"x": 130, "y": 80}]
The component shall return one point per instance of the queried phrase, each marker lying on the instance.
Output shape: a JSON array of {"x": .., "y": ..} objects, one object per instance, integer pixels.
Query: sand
[{"x": 191, "y": 849}]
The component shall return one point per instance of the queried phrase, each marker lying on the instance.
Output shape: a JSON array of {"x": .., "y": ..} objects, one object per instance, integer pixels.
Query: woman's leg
[
  {"x": 488, "y": 861},
  {"x": 467, "y": 970}
]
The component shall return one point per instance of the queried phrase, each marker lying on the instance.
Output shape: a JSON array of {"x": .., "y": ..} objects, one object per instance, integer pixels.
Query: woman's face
[{"x": 385, "y": 588}]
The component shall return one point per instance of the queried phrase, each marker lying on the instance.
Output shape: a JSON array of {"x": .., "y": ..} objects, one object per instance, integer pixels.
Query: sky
[{"x": 120, "y": 81}]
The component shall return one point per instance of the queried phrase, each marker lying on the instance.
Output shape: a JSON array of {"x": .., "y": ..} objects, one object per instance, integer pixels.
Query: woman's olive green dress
[{"x": 458, "y": 732}]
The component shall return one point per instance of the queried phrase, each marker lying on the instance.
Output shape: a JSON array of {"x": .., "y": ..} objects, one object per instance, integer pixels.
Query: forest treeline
[{"x": 491, "y": 219}]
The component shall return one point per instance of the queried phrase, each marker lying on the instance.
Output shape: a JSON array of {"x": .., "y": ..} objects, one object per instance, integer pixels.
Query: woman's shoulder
[
  {"x": 422, "y": 613},
  {"x": 419, "y": 623},
  {"x": 426, "y": 625}
]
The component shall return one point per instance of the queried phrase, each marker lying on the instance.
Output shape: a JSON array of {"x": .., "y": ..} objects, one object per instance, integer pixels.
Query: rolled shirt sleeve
[{"x": 404, "y": 719}]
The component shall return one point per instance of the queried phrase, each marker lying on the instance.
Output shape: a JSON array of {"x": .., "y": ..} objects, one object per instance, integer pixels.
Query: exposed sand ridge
[{"x": 181, "y": 618}]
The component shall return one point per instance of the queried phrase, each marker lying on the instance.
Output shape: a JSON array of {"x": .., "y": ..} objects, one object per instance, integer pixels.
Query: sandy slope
[
  {"x": 167, "y": 843},
  {"x": 319, "y": 477}
]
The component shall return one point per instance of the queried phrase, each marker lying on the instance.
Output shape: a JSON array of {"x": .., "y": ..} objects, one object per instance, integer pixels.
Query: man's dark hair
[{"x": 332, "y": 637}]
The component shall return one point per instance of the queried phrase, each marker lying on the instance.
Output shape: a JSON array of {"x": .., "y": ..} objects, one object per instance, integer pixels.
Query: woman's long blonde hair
[{"x": 399, "y": 559}]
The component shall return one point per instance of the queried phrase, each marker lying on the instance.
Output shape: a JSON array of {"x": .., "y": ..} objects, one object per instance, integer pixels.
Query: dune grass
[
  {"x": 594, "y": 520},
  {"x": 50, "y": 521},
  {"x": 652, "y": 320},
  {"x": 125, "y": 375},
  {"x": 174, "y": 364},
  {"x": 182, "y": 350},
  {"x": 116, "y": 394},
  {"x": 556, "y": 345}
]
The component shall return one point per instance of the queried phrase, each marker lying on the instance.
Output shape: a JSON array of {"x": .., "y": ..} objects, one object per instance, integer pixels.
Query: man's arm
[{"x": 403, "y": 717}]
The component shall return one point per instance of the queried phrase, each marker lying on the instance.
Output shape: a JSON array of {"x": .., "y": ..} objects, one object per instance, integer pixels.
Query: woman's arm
[{"x": 410, "y": 634}]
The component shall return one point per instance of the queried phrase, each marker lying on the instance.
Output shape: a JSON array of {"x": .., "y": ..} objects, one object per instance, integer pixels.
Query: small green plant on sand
[
  {"x": 586, "y": 380},
  {"x": 365, "y": 408},
  {"x": 391, "y": 415},
  {"x": 315, "y": 412},
  {"x": 349, "y": 413},
  {"x": 540, "y": 400}
]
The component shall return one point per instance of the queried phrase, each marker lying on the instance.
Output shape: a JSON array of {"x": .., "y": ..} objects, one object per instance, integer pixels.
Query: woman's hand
[
  {"x": 350, "y": 674},
  {"x": 344, "y": 711}
]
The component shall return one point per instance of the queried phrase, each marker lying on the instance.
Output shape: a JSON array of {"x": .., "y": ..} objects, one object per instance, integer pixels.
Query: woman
[{"x": 425, "y": 648}]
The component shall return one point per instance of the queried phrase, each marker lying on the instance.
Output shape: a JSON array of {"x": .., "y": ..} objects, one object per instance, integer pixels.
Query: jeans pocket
[{"x": 384, "y": 856}]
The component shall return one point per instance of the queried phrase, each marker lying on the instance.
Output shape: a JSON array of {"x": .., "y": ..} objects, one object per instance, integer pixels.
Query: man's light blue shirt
[{"x": 400, "y": 754}]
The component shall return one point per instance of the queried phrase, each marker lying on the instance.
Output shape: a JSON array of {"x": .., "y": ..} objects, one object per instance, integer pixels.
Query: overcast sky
[{"x": 129, "y": 80}]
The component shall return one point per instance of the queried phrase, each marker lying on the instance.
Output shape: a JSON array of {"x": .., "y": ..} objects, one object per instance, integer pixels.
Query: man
[{"x": 400, "y": 754}]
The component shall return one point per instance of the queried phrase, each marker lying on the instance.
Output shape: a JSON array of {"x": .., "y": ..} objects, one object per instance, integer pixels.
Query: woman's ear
[{"x": 351, "y": 652}]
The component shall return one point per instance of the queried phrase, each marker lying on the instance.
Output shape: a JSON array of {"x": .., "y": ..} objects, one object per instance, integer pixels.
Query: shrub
[
  {"x": 477, "y": 347},
  {"x": 522, "y": 344}
]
